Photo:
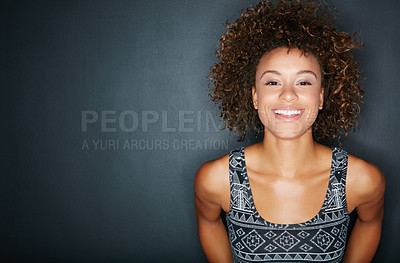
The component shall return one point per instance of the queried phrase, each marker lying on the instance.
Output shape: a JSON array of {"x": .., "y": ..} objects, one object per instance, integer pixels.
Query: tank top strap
[
  {"x": 241, "y": 198},
  {"x": 236, "y": 166},
  {"x": 339, "y": 163},
  {"x": 336, "y": 195}
]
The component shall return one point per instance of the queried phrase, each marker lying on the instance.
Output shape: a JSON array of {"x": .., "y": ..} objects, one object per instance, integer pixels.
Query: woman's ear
[
  {"x": 321, "y": 98},
  {"x": 254, "y": 95}
]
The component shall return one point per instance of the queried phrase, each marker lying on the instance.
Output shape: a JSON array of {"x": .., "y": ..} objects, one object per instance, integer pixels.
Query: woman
[{"x": 286, "y": 71}]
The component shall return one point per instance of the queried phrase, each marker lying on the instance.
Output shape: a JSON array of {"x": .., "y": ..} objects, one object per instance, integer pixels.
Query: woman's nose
[{"x": 288, "y": 94}]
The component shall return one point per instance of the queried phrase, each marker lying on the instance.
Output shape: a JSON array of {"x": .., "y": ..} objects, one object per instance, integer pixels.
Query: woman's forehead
[{"x": 288, "y": 59}]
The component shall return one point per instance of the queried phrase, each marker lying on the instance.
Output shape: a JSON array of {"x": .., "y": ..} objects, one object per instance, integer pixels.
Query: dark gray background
[{"x": 60, "y": 202}]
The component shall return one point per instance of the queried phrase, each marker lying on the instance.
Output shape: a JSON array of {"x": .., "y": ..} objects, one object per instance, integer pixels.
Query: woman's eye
[
  {"x": 304, "y": 83},
  {"x": 272, "y": 83}
]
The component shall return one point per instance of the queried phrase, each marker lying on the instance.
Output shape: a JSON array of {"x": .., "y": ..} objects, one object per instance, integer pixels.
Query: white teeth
[{"x": 288, "y": 112}]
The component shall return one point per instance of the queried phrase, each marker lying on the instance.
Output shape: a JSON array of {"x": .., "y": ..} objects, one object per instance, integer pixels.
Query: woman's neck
[{"x": 288, "y": 157}]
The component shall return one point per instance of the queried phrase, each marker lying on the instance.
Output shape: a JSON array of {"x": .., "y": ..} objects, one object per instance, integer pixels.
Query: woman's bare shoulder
[
  {"x": 365, "y": 181},
  {"x": 212, "y": 179}
]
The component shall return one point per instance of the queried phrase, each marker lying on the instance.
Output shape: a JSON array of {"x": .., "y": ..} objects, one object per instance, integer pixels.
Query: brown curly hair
[{"x": 306, "y": 25}]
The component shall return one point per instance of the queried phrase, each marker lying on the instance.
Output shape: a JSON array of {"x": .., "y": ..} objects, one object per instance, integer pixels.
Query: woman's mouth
[
  {"x": 288, "y": 115},
  {"x": 288, "y": 112}
]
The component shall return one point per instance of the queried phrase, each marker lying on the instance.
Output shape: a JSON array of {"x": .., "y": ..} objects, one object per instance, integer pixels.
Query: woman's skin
[{"x": 288, "y": 171}]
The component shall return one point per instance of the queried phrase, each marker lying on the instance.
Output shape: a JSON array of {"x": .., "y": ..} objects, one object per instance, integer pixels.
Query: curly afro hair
[{"x": 306, "y": 25}]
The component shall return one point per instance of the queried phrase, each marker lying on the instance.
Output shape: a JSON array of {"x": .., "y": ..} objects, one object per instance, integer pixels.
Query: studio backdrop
[{"x": 106, "y": 119}]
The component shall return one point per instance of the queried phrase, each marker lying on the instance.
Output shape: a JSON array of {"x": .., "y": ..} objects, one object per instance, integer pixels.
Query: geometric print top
[{"x": 320, "y": 239}]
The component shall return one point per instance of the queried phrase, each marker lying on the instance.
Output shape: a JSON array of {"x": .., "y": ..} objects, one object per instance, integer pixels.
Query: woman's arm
[
  {"x": 209, "y": 188},
  {"x": 368, "y": 192}
]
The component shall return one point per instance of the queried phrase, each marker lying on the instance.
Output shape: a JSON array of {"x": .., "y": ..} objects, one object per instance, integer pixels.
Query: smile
[
  {"x": 288, "y": 115},
  {"x": 288, "y": 112}
]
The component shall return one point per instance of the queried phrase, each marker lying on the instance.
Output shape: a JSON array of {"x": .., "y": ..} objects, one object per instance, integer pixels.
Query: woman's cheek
[
  {"x": 312, "y": 115},
  {"x": 264, "y": 118}
]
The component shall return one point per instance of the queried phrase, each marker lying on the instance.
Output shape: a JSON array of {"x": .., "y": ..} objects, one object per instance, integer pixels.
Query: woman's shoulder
[
  {"x": 211, "y": 169},
  {"x": 365, "y": 181},
  {"x": 212, "y": 179}
]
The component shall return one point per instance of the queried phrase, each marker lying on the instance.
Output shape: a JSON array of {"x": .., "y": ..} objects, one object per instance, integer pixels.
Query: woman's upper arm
[
  {"x": 211, "y": 184},
  {"x": 367, "y": 191}
]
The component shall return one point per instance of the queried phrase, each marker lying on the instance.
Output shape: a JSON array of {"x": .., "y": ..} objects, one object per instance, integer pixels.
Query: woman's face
[{"x": 288, "y": 92}]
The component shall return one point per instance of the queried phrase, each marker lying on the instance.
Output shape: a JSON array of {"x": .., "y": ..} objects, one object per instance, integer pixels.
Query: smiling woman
[
  {"x": 288, "y": 92},
  {"x": 285, "y": 71}
]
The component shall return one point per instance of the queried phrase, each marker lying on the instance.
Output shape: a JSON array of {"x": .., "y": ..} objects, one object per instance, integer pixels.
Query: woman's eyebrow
[
  {"x": 298, "y": 73},
  {"x": 307, "y": 71},
  {"x": 270, "y": 71}
]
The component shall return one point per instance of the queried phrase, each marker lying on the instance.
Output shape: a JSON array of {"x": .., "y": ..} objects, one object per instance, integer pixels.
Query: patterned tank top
[{"x": 320, "y": 239}]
